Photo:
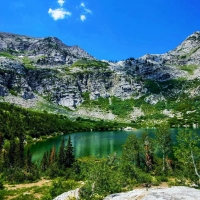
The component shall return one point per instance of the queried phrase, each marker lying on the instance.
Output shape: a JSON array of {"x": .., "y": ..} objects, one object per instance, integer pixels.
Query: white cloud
[
  {"x": 86, "y": 9},
  {"x": 61, "y": 2},
  {"x": 83, "y": 5},
  {"x": 82, "y": 18},
  {"x": 58, "y": 13}
]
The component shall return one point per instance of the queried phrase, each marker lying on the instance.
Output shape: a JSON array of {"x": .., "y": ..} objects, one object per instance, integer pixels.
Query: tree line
[
  {"x": 55, "y": 163},
  {"x": 15, "y": 121},
  {"x": 16, "y": 164}
]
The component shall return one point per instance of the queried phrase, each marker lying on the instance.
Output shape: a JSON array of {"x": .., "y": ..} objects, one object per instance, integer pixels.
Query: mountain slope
[
  {"x": 47, "y": 51},
  {"x": 44, "y": 71}
]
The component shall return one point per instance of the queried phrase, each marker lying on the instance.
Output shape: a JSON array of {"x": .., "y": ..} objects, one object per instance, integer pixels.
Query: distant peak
[
  {"x": 51, "y": 38},
  {"x": 194, "y": 36}
]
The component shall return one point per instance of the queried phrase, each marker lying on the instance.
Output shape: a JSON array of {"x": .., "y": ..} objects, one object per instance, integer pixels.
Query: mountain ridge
[{"x": 46, "y": 71}]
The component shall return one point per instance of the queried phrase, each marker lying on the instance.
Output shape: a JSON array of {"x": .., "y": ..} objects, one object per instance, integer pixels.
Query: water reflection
[{"x": 99, "y": 144}]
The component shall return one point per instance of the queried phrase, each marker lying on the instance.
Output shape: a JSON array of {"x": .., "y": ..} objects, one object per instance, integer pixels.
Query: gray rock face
[
  {"x": 177, "y": 192},
  {"x": 68, "y": 91},
  {"x": 48, "y": 51},
  {"x": 72, "y": 194},
  {"x": 188, "y": 52},
  {"x": 163, "y": 67},
  {"x": 3, "y": 91},
  {"x": 154, "y": 99},
  {"x": 46, "y": 66}
]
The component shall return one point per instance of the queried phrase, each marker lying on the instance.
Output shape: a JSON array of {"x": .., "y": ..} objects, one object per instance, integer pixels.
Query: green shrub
[
  {"x": 188, "y": 68},
  {"x": 84, "y": 63},
  {"x": 43, "y": 137},
  {"x": 102, "y": 179},
  {"x": 47, "y": 197},
  {"x": 183, "y": 56},
  {"x": 1, "y": 185},
  {"x": 13, "y": 92},
  {"x": 7, "y": 55},
  {"x": 2, "y": 194},
  {"x": 28, "y": 63},
  {"x": 24, "y": 196},
  {"x": 121, "y": 107},
  {"x": 18, "y": 175},
  {"x": 152, "y": 86},
  {"x": 60, "y": 186}
]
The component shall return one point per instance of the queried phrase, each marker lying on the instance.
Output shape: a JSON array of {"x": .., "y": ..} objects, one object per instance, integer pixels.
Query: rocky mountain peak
[
  {"x": 188, "y": 45},
  {"x": 68, "y": 75},
  {"x": 195, "y": 36},
  {"x": 44, "y": 52},
  {"x": 187, "y": 53}
]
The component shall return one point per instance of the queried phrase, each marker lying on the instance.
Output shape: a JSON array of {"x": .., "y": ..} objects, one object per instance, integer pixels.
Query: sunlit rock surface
[{"x": 173, "y": 193}]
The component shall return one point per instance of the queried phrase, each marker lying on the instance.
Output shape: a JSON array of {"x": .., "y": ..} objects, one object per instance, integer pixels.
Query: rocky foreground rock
[
  {"x": 72, "y": 194},
  {"x": 173, "y": 193}
]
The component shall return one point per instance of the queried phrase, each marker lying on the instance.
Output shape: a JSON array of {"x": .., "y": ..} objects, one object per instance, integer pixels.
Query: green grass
[
  {"x": 13, "y": 92},
  {"x": 7, "y": 55},
  {"x": 102, "y": 103},
  {"x": 188, "y": 68},
  {"x": 84, "y": 63},
  {"x": 28, "y": 63},
  {"x": 193, "y": 51},
  {"x": 121, "y": 107},
  {"x": 152, "y": 86},
  {"x": 167, "y": 86},
  {"x": 51, "y": 108},
  {"x": 189, "y": 54},
  {"x": 24, "y": 193}
]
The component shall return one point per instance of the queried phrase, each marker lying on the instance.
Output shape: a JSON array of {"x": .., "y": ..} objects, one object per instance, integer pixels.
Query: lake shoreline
[{"x": 91, "y": 143}]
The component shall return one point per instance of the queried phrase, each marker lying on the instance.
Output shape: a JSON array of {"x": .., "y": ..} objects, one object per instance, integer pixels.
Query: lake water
[{"x": 99, "y": 144}]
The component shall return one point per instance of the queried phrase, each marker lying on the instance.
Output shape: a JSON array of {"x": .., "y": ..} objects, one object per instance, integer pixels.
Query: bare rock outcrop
[
  {"x": 72, "y": 194},
  {"x": 176, "y": 192}
]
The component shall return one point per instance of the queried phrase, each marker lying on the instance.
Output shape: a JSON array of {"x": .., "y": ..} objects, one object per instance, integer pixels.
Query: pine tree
[
  {"x": 17, "y": 159},
  {"x": 53, "y": 155},
  {"x": 69, "y": 153},
  {"x": 28, "y": 159},
  {"x": 11, "y": 152},
  {"x": 44, "y": 162},
  {"x": 48, "y": 159},
  {"x": 19, "y": 153},
  {"x": 21, "y": 150},
  {"x": 61, "y": 154},
  {"x": 1, "y": 142},
  {"x": 6, "y": 163}
]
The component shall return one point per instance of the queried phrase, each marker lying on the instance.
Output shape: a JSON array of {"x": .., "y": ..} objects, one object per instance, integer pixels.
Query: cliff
[{"x": 45, "y": 70}]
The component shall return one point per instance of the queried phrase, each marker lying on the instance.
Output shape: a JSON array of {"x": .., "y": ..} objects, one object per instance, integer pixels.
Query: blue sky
[{"x": 106, "y": 29}]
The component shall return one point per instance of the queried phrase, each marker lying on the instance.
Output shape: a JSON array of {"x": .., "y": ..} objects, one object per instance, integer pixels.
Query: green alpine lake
[{"x": 94, "y": 143}]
